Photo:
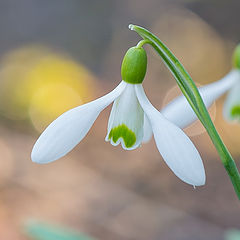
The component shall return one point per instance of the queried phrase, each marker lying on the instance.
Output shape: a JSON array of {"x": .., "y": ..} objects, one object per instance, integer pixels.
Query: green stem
[
  {"x": 194, "y": 98},
  {"x": 224, "y": 154},
  {"x": 142, "y": 42}
]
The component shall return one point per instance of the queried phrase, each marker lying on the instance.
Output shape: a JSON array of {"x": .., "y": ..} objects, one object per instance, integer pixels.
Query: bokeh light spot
[
  {"x": 50, "y": 101},
  {"x": 40, "y": 84}
]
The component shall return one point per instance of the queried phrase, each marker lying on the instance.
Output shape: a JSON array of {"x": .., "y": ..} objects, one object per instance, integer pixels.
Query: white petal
[
  {"x": 147, "y": 130},
  {"x": 63, "y": 134},
  {"x": 125, "y": 124},
  {"x": 180, "y": 112},
  {"x": 231, "y": 109},
  {"x": 175, "y": 147}
]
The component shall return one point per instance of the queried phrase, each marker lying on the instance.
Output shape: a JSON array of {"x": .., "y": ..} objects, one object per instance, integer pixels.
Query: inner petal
[
  {"x": 125, "y": 124},
  {"x": 122, "y": 131}
]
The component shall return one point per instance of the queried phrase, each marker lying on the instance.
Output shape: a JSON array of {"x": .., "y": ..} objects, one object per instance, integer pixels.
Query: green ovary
[
  {"x": 122, "y": 131},
  {"x": 235, "y": 111}
]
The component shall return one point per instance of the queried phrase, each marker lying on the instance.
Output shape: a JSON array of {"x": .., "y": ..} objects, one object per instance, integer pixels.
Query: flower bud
[{"x": 134, "y": 65}]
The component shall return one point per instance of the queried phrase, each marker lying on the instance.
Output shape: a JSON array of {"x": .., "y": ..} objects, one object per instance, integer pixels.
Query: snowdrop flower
[
  {"x": 130, "y": 109},
  {"x": 209, "y": 93}
]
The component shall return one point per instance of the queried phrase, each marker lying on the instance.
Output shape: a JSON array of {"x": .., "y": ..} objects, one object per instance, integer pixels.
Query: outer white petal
[
  {"x": 175, "y": 147},
  {"x": 64, "y": 133},
  {"x": 180, "y": 112},
  {"x": 233, "y": 100},
  {"x": 125, "y": 124},
  {"x": 147, "y": 130}
]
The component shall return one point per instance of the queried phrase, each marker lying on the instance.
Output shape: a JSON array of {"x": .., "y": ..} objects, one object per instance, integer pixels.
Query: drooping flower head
[
  {"x": 126, "y": 120},
  {"x": 131, "y": 113}
]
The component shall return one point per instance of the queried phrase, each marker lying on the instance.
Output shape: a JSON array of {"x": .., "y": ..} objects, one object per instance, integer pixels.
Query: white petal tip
[
  {"x": 131, "y": 26},
  {"x": 197, "y": 183},
  {"x": 36, "y": 159},
  {"x": 40, "y": 156},
  {"x": 200, "y": 184}
]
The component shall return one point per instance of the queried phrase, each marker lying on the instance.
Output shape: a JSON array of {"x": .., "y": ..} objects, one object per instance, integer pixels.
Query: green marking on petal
[
  {"x": 235, "y": 111},
  {"x": 122, "y": 131}
]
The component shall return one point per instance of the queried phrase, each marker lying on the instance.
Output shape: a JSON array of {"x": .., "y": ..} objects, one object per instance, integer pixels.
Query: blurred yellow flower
[
  {"x": 50, "y": 101},
  {"x": 42, "y": 84}
]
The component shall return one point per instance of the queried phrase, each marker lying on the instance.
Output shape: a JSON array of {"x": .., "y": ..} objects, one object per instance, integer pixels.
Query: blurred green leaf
[
  {"x": 43, "y": 231},
  {"x": 232, "y": 235}
]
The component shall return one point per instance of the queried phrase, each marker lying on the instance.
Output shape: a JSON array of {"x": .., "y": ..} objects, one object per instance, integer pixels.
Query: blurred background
[{"x": 58, "y": 54}]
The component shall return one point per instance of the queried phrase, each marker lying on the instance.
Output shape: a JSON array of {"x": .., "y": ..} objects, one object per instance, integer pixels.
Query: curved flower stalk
[
  {"x": 125, "y": 125},
  {"x": 209, "y": 93},
  {"x": 194, "y": 98}
]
